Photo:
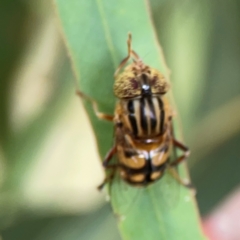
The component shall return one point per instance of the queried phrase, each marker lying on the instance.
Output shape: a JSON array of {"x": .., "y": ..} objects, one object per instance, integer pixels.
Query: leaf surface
[{"x": 95, "y": 33}]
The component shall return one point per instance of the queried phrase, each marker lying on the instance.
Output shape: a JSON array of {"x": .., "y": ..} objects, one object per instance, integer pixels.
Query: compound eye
[
  {"x": 158, "y": 82},
  {"x": 126, "y": 86},
  {"x": 153, "y": 81},
  {"x": 134, "y": 83}
]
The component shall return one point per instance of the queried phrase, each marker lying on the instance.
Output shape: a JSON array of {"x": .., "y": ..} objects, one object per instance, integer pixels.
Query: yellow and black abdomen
[
  {"x": 140, "y": 167},
  {"x": 145, "y": 116}
]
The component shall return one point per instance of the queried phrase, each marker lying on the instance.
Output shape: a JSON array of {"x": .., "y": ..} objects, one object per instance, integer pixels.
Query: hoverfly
[{"x": 143, "y": 125}]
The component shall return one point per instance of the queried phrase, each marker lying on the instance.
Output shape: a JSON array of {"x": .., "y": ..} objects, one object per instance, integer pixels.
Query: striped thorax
[{"x": 145, "y": 116}]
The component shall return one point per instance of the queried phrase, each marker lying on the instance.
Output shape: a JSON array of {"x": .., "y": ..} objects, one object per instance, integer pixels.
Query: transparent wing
[
  {"x": 122, "y": 195},
  {"x": 166, "y": 190}
]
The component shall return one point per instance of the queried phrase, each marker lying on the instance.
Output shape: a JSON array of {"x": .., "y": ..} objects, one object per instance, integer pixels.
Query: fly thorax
[{"x": 144, "y": 116}]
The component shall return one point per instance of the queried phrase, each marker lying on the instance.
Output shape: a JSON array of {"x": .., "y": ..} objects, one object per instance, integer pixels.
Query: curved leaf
[{"x": 95, "y": 33}]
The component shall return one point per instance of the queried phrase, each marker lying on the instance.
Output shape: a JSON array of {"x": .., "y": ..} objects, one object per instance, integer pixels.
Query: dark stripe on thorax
[
  {"x": 132, "y": 118},
  {"x": 143, "y": 117},
  {"x": 153, "y": 120},
  {"x": 162, "y": 115}
]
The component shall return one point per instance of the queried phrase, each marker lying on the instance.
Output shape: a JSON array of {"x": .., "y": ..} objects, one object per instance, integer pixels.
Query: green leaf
[{"x": 95, "y": 33}]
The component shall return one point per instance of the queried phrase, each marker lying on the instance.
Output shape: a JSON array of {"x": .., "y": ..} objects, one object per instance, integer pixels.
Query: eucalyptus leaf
[{"x": 95, "y": 33}]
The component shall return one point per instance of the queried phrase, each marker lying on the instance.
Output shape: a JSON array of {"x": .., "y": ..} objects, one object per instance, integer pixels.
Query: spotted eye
[
  {"x": 134, "y": 83},
  {"x": 153, "y": 81},
  {"x": 126, "y": 85},
  {"x": 158, "y": 82}
]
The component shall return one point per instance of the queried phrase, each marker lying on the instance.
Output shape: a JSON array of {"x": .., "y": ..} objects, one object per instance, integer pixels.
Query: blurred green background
[{"x": 49, "y": 167}]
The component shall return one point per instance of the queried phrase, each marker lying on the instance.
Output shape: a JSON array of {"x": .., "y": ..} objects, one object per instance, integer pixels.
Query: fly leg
[
  {"x": 174, "y": 172},
  {"x": 109, "y": 156},
  {"x": 100, "y": 115},
  {"x": 109, "y": 178},
  {"x": 184, "y": 182},
  {"x": 185, "y": 150},
  {"x": 106, "y": 165}
]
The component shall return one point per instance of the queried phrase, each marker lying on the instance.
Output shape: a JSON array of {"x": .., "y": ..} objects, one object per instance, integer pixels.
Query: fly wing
[{"x": 123, "y": 196}]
